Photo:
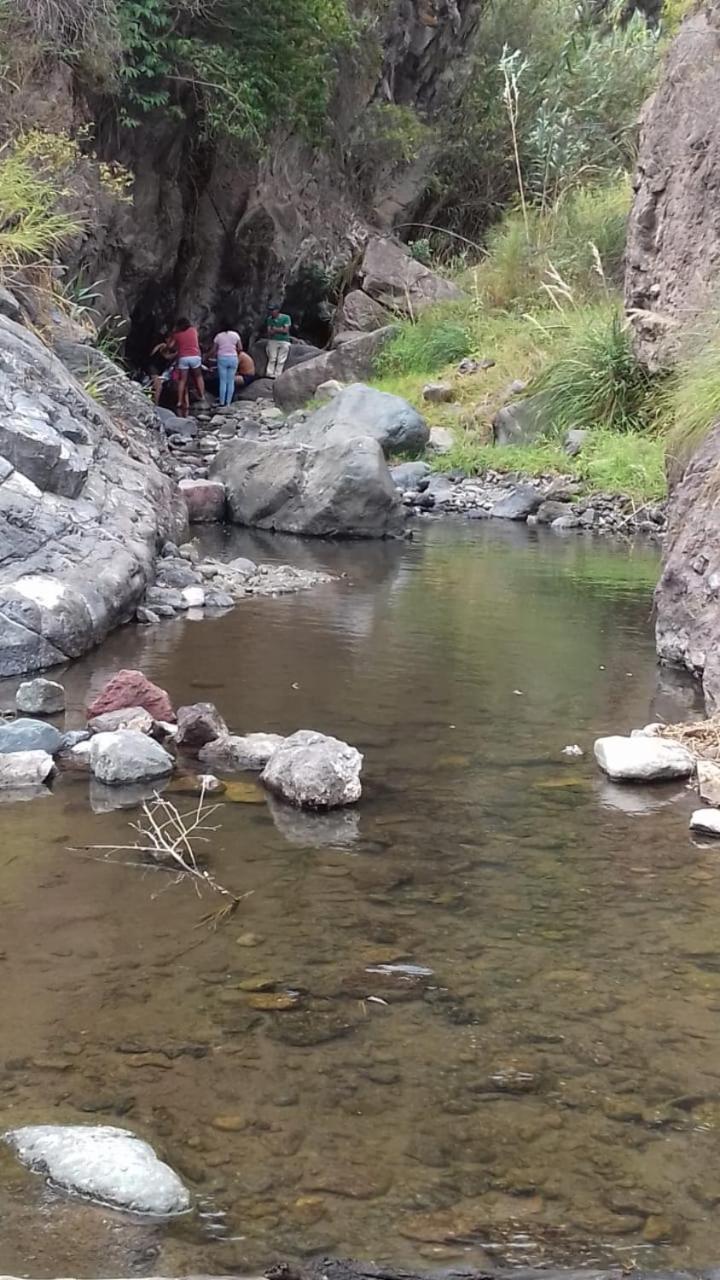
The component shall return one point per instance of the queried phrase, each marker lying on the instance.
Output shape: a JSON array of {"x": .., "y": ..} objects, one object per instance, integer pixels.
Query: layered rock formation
[
  {"x": 673, "y": 254},
  {"x": 83, "y": 507}
]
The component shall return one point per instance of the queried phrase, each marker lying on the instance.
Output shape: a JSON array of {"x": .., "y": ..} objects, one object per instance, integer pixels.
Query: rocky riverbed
[{"x": 549, "y": 500}]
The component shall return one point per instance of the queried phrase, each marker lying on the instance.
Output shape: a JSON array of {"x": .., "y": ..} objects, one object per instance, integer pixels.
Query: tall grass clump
[
  {"x": 33, "y": 226},
  {"x": 597, "y": 382},
  {"x": 433, "y": 339},
  {"x": 581, "y": 237},
  {"x": 692, "y": 400}
]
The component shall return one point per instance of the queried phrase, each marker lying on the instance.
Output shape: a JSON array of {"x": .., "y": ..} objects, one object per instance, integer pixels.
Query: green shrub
[
  {"x": 597, "y": 382},
  {"x": 437, "y": 337}
]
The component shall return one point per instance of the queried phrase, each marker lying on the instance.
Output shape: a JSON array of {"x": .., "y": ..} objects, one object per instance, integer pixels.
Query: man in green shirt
[{"x": 277, "y": 326}]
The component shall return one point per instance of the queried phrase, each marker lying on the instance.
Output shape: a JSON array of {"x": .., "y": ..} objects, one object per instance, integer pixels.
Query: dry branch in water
[{"x": 166, "y": 842}]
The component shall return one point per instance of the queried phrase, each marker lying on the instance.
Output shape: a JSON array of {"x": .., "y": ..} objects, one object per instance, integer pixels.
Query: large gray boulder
[
  {"x": 362, "y": 411},
  {"x": 128, "y": 756},
  {"x": 313, "y": 771},
  {"x": 353, "y": 360},
  {"x": 392, "y": 277},
  {"x": 102, "y": 1163},
  {"x": 83, "y": 506},
  {"x": 341, "y": 491}
]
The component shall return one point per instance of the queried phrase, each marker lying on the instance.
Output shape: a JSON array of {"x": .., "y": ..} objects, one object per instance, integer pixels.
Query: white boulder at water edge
[
  {"x": 643, "y": 759},
  {"x": 112, "y": 1166}
]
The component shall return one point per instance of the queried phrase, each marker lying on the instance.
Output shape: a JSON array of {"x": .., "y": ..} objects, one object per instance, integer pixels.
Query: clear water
[{"x": 551, "y": 1091}]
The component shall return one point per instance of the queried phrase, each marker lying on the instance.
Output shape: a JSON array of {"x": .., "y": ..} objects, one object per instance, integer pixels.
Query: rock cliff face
[
  {"x": 688, "y": 594},
  {"x": 673, "y": 255},
  {"x": 207, "y": 227},
  {"x": 83, "y": 507},
  {"x": 673, "y": 262}
]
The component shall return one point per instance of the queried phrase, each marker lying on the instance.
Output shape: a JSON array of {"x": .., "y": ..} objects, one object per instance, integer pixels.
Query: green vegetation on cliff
[{"x": 239, "y": 68}]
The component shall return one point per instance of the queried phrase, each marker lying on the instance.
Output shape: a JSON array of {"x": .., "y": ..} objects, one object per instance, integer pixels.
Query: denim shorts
[{"x": 189, "y": 362}]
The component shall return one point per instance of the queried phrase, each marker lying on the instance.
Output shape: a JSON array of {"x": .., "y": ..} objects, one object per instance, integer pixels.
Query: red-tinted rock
[
  {"x": 132, "y": 689},
  {"x": 205, "y": 500},
  {"x": 199, "y": 724}
]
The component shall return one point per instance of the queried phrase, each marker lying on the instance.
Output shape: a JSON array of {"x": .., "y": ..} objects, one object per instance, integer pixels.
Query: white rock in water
[
  {"x": 103, "y": 1163},
  {"x": 314, "y": 771},
  {"x": 25, "y": 768},
  {"x": 643, "y": 759},
  {"x": 127, "y": 756},
  {"x": 706, "y": 821},
  {"x": 573, "y": 750},
  {"x": 194, "y": 597},
  {"x": 40, "y": 697}
]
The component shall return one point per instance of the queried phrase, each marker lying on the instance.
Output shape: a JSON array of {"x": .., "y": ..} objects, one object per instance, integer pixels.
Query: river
[{"x": 550, "y": 1091}]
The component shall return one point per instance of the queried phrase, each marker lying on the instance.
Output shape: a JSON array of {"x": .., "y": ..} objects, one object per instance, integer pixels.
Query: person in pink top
[
  {"x": 227, "y": 346},
  {"x": 186, "y": 345}
]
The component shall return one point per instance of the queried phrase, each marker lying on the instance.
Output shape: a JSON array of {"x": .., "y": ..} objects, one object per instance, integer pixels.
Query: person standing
[
  {"x": 227, "y": 346},
  {"x": 277, "y": 327},
  {"x": 186, "y": 345}
]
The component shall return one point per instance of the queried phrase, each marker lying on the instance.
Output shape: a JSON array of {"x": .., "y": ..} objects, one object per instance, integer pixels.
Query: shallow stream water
[{"x": 549, "y": 1091}]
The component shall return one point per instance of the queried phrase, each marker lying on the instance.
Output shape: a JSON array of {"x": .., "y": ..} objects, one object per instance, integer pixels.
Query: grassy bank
[{"x": 545, "y": 307}]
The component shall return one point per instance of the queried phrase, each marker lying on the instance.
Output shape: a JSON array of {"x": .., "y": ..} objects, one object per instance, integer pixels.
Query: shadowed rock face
[
  {"x": 673, "y": 253},
  {"x": 83, "y": 506},
  {"x": 687, "y": 598}
]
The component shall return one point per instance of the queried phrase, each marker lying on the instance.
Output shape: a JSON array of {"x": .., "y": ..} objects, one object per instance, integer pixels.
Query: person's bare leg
[
  {"x": 199, "y": 381},
  {"x": 183, "y": 398},
  {"x": 157, "y": 386}
]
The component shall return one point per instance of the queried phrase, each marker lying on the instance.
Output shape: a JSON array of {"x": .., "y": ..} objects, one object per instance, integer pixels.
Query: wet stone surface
[{"x": 478, "y": 1021}]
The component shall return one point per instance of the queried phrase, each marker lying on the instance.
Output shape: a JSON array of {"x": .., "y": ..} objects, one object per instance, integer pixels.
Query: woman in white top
[{"x": 227, "y": 346}]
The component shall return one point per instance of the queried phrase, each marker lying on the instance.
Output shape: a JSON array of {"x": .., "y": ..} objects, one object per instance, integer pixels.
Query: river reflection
[{"x": 550, "y": 1091}]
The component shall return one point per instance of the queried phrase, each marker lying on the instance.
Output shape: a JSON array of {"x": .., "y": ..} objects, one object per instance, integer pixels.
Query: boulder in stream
[
  {"x": 643, "y": 759},
  {"x": 359, "y": 410},
  {"x": 199, "y": 724},
  {"x": 29, "y": 735},
  {"x": 25, "y": 768},
  {"x": 126, "y": 757},
  {"x": 40, "y": 697},
  {"x": 343, "y": 490},
  {"x": 313, "y": 771},
  {"x": 250, "y": 752},
  {"x": 102, "y": 1163},
  {"x": 132, "y": 689}
]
